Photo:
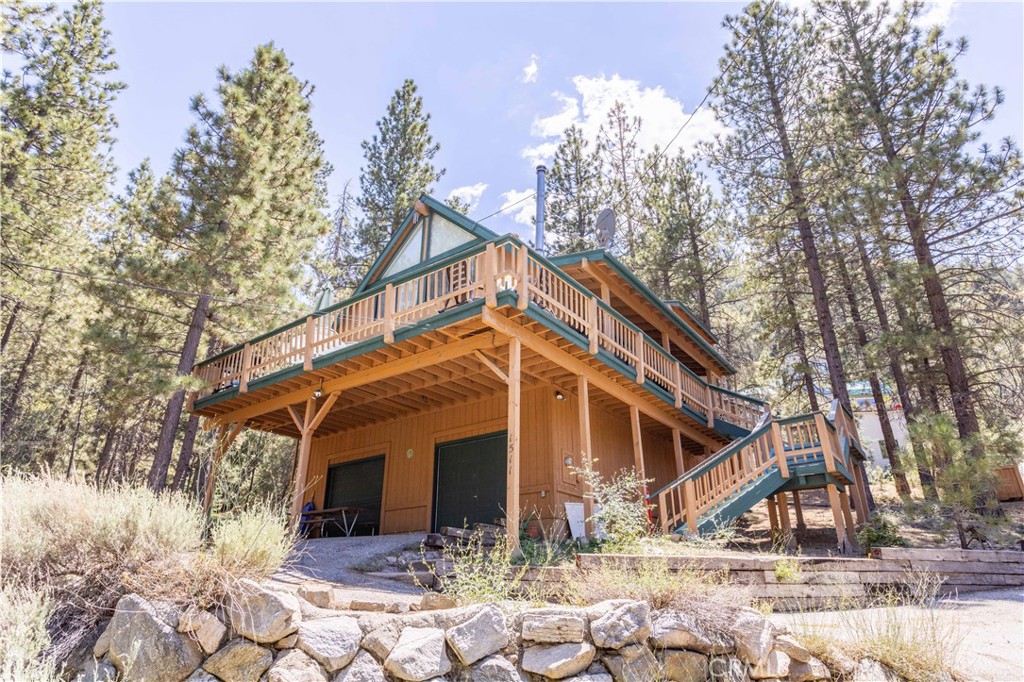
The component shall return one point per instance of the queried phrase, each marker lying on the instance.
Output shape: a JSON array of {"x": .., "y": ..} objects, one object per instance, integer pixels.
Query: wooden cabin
[{"x": 469, "y": 376}]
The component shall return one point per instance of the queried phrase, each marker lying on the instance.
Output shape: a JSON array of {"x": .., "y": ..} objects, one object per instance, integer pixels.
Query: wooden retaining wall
[{"x": 802, "y": 582}]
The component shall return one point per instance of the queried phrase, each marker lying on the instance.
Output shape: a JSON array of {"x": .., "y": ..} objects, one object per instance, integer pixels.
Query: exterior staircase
[{"x": 779, "y": 455}]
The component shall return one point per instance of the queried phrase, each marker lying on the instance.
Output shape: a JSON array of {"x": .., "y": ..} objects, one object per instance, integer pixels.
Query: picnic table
[{"x": 344, "y": 518}]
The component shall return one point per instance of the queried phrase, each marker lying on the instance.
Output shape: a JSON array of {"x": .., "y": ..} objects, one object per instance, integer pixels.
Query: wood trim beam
[
  {"x": 491, "y": 365},
  {"x": 638, "y": 442},
  {"x": 587, "y": 447},
  {"x": 604, "y": 383},
  {"x": 515, "y": 355}
]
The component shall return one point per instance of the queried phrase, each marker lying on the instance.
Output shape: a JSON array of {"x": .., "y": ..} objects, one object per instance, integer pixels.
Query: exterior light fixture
[
  {"x": 559, "y": 395},
  {"x": 319, "y": 391}
]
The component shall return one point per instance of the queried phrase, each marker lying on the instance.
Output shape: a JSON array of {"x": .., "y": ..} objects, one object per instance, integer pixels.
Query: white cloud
[
  {"x": 470, "y": 194},
  {"x": 530, "y": 71},
  {"x": 523, "y": 210},
  {"x": 662, "y": 116},
  {"x": 937, "y": 13}
]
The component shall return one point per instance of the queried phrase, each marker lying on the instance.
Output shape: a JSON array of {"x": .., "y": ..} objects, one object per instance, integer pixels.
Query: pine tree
[
  {"x": 575, "y": 194},
  {"x": 251, "y": 181},
  {"x": 769, "y": 98},
  {"x": 338, "y": 259},
  {"x": 622, "y": 163},
  {"x": 399, "y": 168}
]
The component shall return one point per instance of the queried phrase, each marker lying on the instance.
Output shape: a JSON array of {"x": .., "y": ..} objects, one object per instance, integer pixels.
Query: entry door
[
  {"x": 359, "y": 483},
  {"x": 469, "y": 481}
]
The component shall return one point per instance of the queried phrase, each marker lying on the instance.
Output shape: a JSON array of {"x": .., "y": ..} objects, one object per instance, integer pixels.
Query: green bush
[
  {"x": 477, "y": 573},
  {"x": 881, "y": 531},
  {"x": 620, "y": 507}
]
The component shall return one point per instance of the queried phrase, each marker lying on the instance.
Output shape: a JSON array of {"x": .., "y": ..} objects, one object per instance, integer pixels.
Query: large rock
[
  {"x": 754, "y": 635},
  {"x": 868, "y": 670},
  {"x": 381, "y": 641},
  {"x": 204, "y": 627},
  {"x": 263, "y": 615},
  {"x": 481, "y": 635},
  {"x": 728, "y": 669},
  {"x": 792, "y": 648},
  {"x": 201, "y": 676},
  {"x": 432, "y": 601},
  {"x": 97, "y": 671},
  {"x": 678, "y": 630},
  {"x": 633, "y": 663},
  {"x": 363, "y": 668},
  {"x": 591, "y": 677},
  {"x": 494, "y": 668},
  {"x": 809, "y": 671},
  {"x": 99, "y": 649},
  {"x": 419, "y": 655},
  {"x": 292, "y": 665},
  {"x": 776, "y": 665},
  {"x": 684, "y": 666},
  {"x": 239, "y": 661},
  {"x": 551, "y": 626},
  {"x": 628, "y": 623},
  {"x": 333, "y": 642},
  {"x": 319, "y": 595},
  {"x": 558, "y": 660},
  {"x": 144, "y": 647}
]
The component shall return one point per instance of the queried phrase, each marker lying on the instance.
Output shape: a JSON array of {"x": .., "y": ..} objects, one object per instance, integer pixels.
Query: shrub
[
  {"x": 787, "y": 570},
  {"x": 476, "y": 573},
  {"x": 881, "y": 531},
  {"x": 23, "y": 636},
  {"x": 83, "y": 548},
  {"x": 620, "y": 507}
]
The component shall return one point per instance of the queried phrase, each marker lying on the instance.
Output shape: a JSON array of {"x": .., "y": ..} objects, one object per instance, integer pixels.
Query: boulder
[
  {"x": 204, "y": 627},
  {"x": 97, "y": 671},
  {"x": 776, "y": 665},
  {"x": 684, "y": 666},
  {"x": 419, "y": 655},
  {"x": 558, "y": 660},
  {"x": 592, "y": 677},
  {"x": 99, "y": 649},
  {"x": 332, "y": 642},
  {"x": 792, "y": 648},
  {"x": 754, "y": 635},
  {"x": 728, "y": 669},
  {"x": 547, "y": 626},
  {"x": 287, "y": 642},
  {"x": 495, "y": 668},
  {"x": 479, "y": 636},
  {"x": 678, "y": 630},
  {"x": 319, "y": 595},
  {"x": 363, "y": 668},
  {"x": 628, "y": 623},
  {"x": 144, "y": 647},
  {"x": 201, "y": 676},
  {"x": 432, "y": 601},
  {"x": 240, "y": 661},
  {"x": 868, "y": 670},
  {"x": 632, "y": 663},
  {"x": 293, "y": 665},
  {"x": 809, "y": 671},
  {"x": 381, "y": 641},
  {"x": 263, "y": 615},
  {"x": 599, "y": 609}
]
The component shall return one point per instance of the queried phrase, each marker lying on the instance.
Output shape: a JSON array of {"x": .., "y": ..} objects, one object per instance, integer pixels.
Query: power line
[{"x": 508, "y": 206}]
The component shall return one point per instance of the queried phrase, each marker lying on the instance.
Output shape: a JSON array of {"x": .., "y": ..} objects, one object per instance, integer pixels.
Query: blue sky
[{"x": 500, "y": 80}]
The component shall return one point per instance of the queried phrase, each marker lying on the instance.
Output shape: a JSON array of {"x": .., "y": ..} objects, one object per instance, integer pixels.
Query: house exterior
[
  {"x": 869, "y": 426},
  {"x": 469, "y": 376}
]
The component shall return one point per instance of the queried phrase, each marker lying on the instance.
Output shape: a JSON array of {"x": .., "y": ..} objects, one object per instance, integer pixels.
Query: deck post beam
[
  {"x": 490, "y": 276},
  {"x": 226, "y": 435},
  {"x": 773, "y": 519},
  {"x": 638, "y": 442},
  {"x": 842, "y": 541},
  {"x": 586, "y": 445},
  {"x": 844, "y": 502},
  {"x": 860, "y": 492},
  {"x": 798, "y": 511},
  {"x": 784, "y": 522},
  {"x": 515, "y": 353},
  {"x": 307, "y": 426},
  {"x": 677, "y": 450}
]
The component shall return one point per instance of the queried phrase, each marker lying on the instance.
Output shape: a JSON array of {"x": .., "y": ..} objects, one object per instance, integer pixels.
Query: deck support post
[
  {"x": 842, "y": 540},
  {"x": 773, "y": 519},
  {"x": 784, "y": 521},
  {"x": 844, "y": 502},
  {"x": 515, "y": 361},
  {"x": 226, "y": 435},
  {"x": 798, "y": 511},
  {"x": 307, "y": 426},
  {"x": 586, "y": 445},
  {"x": 638, "y": 442},
  {"x": 490, "y": 276},
  {"x": 860, "y": 492},
  {"x": 677, "y": 449}
]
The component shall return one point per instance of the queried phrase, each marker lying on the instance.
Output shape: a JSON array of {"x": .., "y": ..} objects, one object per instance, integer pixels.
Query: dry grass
[{"x": 79, "y": 549}]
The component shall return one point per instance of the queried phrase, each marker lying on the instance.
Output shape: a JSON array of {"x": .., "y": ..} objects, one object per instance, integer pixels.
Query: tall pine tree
[{"x": 575, "y": 194}]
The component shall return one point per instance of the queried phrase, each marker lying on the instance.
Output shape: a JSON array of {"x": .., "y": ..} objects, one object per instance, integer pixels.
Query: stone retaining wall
[{"x": 267, "y": 634}]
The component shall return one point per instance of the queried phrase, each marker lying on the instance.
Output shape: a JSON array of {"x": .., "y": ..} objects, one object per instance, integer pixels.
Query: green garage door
[
  {"x": 357, "y": 484},
  {"x": 469, "y": 481}
]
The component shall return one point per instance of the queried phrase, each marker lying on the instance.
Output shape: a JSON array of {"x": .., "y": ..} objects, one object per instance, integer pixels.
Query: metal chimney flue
[{"x": 538, "y": 239}]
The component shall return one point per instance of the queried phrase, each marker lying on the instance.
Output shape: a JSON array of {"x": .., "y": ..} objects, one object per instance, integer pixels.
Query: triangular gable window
[
  {"x": 410, "y": 254},
  {"x": 446, "y": 235}
]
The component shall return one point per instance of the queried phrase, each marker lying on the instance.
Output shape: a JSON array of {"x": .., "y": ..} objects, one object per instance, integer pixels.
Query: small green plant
[
  {"x": 787, "y": 570},
  {"x": 476, "y": 573},
  {"x": 881, "y": 531},
  {"x": 621, "y": 512}
]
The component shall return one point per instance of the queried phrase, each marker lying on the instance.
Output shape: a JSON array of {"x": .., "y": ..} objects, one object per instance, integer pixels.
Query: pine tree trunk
[
  {"x": 74, "y": 441},
  {"x": 699, "y": 279},
  {"x": 50, "y": 455},
  {"x": 172, "y": 414},
  {"x": 10, "y": 410},
  {"x": 9, "y": 327},
  {"x": 104, "y": 461},
  {"x": 800, "y": 341},
  {"x": 185, "y": 455},
  {"x": 888, "y": 437},
  {"x": 819, "y": 291}
]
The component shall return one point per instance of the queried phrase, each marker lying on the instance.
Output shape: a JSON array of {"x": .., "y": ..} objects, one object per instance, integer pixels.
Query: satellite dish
[{"x": 605, "y": 228}]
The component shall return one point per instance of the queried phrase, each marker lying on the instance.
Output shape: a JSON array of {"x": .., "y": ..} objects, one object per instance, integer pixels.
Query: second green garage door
[{"x": 469, "y": 481}]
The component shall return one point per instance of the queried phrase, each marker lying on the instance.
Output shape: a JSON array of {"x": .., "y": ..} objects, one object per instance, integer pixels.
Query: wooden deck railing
[
  {"x": 784, "y": 444},
  {"x": 481, "y": 273}
]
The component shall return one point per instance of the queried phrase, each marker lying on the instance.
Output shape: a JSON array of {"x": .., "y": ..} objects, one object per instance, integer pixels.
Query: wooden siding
[{"x": 550, "y": 433}]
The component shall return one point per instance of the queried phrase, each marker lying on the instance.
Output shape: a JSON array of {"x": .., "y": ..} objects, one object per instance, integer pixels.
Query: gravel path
[
  {"x": 337, "y": 560},
  {"x": 988, "y": 625}
]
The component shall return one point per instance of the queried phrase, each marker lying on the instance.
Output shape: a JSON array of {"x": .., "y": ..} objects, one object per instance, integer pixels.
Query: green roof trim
[
  {"x": 627, "y": 274},
  {"x": 471, "y": 226},
  {"x": 694, "y": 317}
]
